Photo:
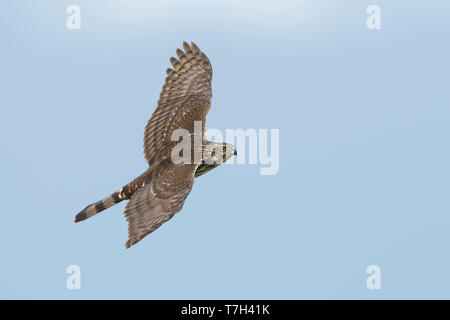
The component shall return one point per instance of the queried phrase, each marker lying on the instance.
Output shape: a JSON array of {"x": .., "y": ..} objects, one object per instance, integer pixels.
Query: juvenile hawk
[{"x": 157, "y": 194}]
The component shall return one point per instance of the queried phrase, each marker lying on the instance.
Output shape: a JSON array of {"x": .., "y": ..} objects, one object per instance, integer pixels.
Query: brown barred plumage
[
  {"x": 124, "y": 193},
  {"x": 159, "y": 193},
  {"x": 99, "y": 206}
]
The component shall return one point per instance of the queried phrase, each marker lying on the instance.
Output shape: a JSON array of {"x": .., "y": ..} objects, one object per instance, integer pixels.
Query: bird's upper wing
[
  {"x": 185, "y": 98},
  {"x": 157, "y": 201}
]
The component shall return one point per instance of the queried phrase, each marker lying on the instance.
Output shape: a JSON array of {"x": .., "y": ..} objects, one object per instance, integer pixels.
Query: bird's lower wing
[{"x": 157, "y": 201}]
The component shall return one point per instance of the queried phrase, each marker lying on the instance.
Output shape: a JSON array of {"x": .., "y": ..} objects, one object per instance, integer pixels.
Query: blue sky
[{"x": 364, "y": 173}]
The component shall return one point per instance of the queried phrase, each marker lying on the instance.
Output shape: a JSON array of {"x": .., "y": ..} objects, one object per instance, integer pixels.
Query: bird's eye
[{"x": 224, "y": 149}]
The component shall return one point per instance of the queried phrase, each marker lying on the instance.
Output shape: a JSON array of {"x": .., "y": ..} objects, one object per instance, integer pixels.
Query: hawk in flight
[{"x": 157, "y": 194}]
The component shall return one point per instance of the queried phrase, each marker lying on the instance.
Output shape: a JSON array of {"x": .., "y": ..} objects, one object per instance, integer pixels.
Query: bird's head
[
  {"x": 228, "y": 151},
  {"x": 218, "y": 153}
]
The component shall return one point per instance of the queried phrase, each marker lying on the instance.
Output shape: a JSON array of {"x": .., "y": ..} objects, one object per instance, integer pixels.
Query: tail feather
[{"x": 99, "y": 206}]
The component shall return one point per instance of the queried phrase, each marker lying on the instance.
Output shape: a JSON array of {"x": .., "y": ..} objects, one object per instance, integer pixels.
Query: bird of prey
[{"x": 157, "y": 194}]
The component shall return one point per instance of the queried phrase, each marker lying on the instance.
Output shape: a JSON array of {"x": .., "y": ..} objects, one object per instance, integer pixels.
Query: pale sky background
[{"x": 364, "y": 149}]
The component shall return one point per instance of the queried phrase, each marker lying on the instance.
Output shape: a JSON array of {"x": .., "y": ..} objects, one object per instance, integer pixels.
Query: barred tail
[{"x": 99, "y": 206}]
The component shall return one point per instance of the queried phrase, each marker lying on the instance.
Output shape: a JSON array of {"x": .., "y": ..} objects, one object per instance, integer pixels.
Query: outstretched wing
[
  {"x": 185, "y": 98},
  {"x": 156, "y": 202}
]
